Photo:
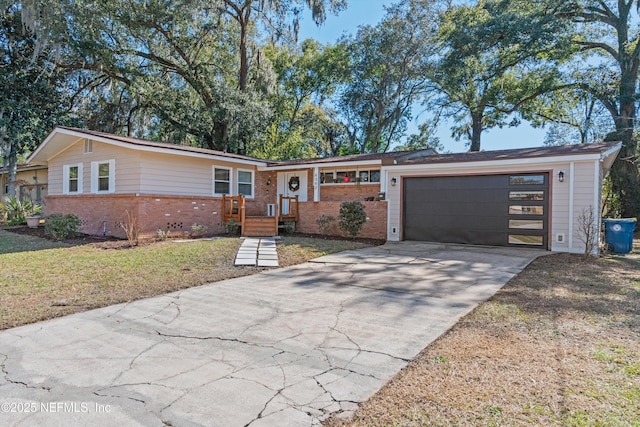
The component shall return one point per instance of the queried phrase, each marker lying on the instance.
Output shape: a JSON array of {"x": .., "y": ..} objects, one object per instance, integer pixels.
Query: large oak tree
[{"x": 608, "y": 30}]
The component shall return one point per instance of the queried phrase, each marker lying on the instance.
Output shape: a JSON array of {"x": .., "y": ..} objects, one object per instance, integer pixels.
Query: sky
[{"x": 370, "y": 12}]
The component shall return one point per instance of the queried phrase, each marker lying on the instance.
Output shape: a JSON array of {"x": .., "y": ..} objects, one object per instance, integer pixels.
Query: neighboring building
[
  {"x": 524, "y": 197},
  {"x": 31, "y": 182}
]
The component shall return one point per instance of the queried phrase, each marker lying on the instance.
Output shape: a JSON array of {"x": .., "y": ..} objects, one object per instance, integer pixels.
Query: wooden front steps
[
  {"x": 260, "y": 226},
  {"x": 233, "y": 209}
]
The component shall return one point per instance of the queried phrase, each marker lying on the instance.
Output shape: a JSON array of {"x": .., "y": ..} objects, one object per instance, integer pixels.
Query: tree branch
[{"x": 600, "y": 45}]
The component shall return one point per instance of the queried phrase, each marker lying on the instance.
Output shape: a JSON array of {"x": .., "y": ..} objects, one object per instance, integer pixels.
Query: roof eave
[
  {"x": 609, "y": 156},
  {"x": 139, "y": 147},
  {"x": 344, "y": 164},
  {"x": 497, "y": 162}
]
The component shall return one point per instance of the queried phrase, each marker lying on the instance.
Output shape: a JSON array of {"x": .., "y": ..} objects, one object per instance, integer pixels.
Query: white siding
[
  {"x": 583, "y": 198},
  {"x": 139, "y": 172},
  {"x": 166, "y": 174},
  {"x": 127, "y": 166},
  {"x": 560, "y": 217}
]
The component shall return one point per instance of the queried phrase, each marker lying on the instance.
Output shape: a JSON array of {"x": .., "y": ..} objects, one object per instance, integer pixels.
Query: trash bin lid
[{"x": 619, "y": 220}]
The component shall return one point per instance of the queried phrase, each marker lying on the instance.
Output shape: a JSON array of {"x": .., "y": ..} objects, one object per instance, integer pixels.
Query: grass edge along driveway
[
  {"x": 40, "y": 279},
  {"x": 558, "y": 345}
]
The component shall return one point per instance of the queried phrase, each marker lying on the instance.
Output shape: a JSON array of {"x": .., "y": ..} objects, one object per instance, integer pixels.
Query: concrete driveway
[{"x": 285, "y": 347}]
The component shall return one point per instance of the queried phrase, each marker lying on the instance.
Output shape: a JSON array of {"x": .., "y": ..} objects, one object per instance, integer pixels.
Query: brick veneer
[
  {"x": 101, "y": 214},
  {"x": 266, "y": 191},
  {"x": 342, "y": 192},
  {"x": 375, "y": 227}
]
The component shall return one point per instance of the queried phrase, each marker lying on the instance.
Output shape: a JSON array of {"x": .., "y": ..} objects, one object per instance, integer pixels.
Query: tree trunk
[
  {"x": 476, "y": 131},
  {"x": 12, "y": 160},
  {"x": 244, "y": 60},
  {"x": 625, "y": 180},
  {"x": 219, "y": 139}
]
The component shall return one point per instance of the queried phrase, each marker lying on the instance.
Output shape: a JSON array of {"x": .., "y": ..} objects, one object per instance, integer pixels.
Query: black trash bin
[{"x": 618, "y": 233}]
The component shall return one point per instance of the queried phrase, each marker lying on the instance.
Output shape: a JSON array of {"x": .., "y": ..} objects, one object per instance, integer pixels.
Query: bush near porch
[{"x": 374, "y": 228}]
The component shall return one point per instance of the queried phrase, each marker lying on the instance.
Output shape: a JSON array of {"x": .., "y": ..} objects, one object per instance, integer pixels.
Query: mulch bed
[
  {"x": 110, "y": 242},
  {"x": 106, "y": 242}
]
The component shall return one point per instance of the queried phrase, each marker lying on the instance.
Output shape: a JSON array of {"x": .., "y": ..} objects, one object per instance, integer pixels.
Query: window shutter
[
  {"x": 65, "y": 179},
  {"x": 94, "y": 177},
  {"x": 79, "y": 178}
]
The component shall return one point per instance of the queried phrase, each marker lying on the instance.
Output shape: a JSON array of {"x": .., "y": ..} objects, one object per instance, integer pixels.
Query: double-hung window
[
  {"x": 72, "y": 179},
  {"x": 245, "y": 183},
  {"x": 221, "y": 181},
  {"x": 103, "y": 176}
]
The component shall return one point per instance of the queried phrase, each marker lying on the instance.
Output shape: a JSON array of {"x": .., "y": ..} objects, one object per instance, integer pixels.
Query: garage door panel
[
  {"x": 456, "y": 196},
  {"x": 497, "y": 210},
  {"x": 477, "y": 237},
  {"x": 462, "y": 206},
  {"x": 453, "y": 222},
  {"x": 465, "y": 182}
]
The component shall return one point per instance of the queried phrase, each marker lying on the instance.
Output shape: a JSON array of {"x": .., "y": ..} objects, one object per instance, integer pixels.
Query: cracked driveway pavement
[{"x": 284, "y": 347}]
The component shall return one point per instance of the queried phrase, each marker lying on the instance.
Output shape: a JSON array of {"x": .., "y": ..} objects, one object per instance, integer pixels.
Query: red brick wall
[
  {"x": 375, "y": 227},
  {"x": 342, "y": 192},
  {"x": 101, "y": 214},
  {"x": 266, "y": 191}
]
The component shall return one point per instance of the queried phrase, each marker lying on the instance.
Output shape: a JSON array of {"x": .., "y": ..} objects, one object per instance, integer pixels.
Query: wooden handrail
[
  {"x": 232, "y": 207},
  {"x": 292, "y": 211}
]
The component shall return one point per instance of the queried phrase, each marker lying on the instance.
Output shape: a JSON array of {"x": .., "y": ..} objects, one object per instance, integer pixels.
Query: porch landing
[{"x": 257, "y": 252}]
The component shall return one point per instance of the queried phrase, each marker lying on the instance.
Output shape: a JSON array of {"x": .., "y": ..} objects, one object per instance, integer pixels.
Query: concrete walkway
[
  {"x": 285, "y": 347},
  {"x": 257, "y": 252}
]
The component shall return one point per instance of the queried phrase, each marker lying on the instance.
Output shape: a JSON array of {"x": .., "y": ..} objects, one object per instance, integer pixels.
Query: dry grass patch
[
  {"x": 294, "y": 250},
  {"x": 558, "y": 345},
  {"x": 50, "y": 282}
]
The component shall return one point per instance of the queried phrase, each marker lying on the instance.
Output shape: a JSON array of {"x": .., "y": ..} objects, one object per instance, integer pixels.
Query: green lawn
[
  {"x": 11, "y": 242},
  {"x": 40, "y": 279}
]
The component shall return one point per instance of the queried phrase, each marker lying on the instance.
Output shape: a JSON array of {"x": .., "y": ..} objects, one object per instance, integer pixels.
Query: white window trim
[
  {"x": 253, "y": 180},
  {"x": 112, "y": 176},
  {"x": 213, "y": 181},
  {"x": 357, "y": 171},
  {"x": 65, "y": 179}
]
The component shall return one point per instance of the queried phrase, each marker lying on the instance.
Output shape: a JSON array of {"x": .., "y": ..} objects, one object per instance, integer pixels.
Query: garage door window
[
  {"x": 519, "y": 239},
  {"x": 526, "y": 195},
  {"x": 528, "y": 224},
  {"x": 526, "y": 180},
  {"x": 526, "y": 210}
]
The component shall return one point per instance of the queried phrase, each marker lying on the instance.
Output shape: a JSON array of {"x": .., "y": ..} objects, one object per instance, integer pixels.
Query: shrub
[
  {"x": 325, "y": 223},
  {"x": 131, "y": 228},
  {"x": 232, "y": 227},
  {"x": 61, "y": 227},
  {"x": 352, "y": 218},
  {"x": 14, "y": 211},
  {"x": 289, "y": 227},
  {"x": 198, "y": 230},
  {"x": 162, "y": 235}
]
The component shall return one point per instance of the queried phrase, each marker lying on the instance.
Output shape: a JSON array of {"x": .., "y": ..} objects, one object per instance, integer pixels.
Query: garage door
[{"x": 497, "y": 210}]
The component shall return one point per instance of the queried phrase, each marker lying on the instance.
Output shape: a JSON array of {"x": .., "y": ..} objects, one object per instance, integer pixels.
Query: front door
[{"x": 291, "y": 184}]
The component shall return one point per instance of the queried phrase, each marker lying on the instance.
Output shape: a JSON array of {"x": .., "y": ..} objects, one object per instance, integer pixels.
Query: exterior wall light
[
  {"x": 394, "y": 181},
  {"x": 561, "y": 176}
]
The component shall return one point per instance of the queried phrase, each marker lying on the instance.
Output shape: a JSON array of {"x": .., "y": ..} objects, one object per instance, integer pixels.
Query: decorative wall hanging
[{"x": 294, "y": 183}]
